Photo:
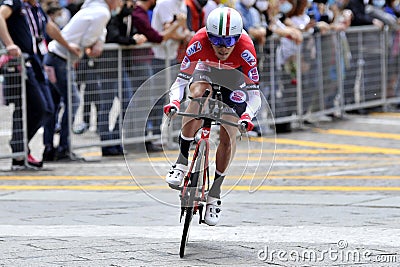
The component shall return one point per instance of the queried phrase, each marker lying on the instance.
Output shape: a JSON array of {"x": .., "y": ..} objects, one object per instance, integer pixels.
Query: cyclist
[{"x": 220, "y": 53}]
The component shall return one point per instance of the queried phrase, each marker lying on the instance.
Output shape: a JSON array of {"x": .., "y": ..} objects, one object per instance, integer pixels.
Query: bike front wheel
[
  {"x": 186, "y": 228},
  {"x": 196, "y": 180}
]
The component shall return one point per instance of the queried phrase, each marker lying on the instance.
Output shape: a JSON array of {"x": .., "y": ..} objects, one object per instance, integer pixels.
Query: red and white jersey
[{"x": 242, "y": 58}]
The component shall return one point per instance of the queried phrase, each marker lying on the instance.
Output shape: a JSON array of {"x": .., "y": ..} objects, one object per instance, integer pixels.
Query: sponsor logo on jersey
[
  {"x": 238, "y": 96},
  {"x": 194, "y": 48},
  {"x": 185, "y": 63},
  {"x": 249, "y": 58},
  {"x": 202, "y": 67},
  {"x": 252, "y": 86},
  {"x": 253, "y": 74}
]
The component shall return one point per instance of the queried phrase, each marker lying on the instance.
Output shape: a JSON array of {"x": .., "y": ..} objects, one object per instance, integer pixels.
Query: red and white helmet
[{"x": 224, "y": 21}]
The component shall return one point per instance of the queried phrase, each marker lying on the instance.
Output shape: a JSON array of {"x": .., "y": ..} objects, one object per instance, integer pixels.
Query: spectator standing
[
  {"x": 58, "y": 14},
  {"x": 73, "y": 6},
  {"x": 87, "y": 29},
  {"x": 23, "y": 25},
  {"x": 252, "y": 21},
  {"x": 391, "y": 8},
  {"x": 360, "y": 17},
  {"x": 121, "y": 29},
  {"x": 195, "y": 14},
  {"x": 143, "y": 68}
]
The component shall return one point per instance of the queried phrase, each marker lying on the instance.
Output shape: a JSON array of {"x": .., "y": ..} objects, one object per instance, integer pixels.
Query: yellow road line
[
  {"x": 271, "y": 151},
  {"x": 310, "y": 151},
  {"x": 282, "y": 158},
  {"x": 78, "y": 187},
  {"x": 236, "y": 188},
  {"x": 333, "y": 168},
  {"x": 229, "y": 177},
  {"x": 342, "y": 147},
  {"x": 314, "y": 188},
  {"x": 92, "y": 154},
  {"x": 308, "y": 177},
  {"x": 359, "y": 133},
  {"x": 386, "y": 114},
  {"x": 67, "y": 178}
]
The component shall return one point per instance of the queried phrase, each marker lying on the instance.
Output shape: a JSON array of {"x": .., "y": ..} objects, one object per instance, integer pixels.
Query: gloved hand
[
  {"x": 175, "y": 104},
  {"x": 246, "y": 120}
]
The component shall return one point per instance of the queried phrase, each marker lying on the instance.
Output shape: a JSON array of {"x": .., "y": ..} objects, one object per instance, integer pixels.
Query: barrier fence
[
  {"x": 13, "y": 108},
  {"x": 326, "y": 75}
]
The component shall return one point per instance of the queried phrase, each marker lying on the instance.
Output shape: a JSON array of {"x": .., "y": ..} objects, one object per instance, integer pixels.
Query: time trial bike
[{"x": 196, "y": 184}]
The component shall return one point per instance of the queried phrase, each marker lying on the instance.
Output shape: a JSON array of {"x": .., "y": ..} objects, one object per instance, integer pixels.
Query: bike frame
[{"x": 204, "y": 139}]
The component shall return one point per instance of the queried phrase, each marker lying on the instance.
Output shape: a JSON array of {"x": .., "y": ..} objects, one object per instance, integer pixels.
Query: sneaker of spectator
[
  {"x": 61, "y": 154},
  {"x": 151, "y": 147},
  {"x": 19, "y": 163},
  {"x": 57, "y": 128},
  {"x": 107, "y": 151},
  {"x": 81, "y": 128},
  {"x": 49, "y": 153}
]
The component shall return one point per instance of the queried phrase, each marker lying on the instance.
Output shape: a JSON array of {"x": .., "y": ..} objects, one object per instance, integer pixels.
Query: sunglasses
[{"x": 227, "y": 41}]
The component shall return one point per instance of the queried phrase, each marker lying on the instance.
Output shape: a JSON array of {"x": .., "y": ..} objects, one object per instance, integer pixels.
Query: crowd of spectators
[{"x": 47, "y": 32}]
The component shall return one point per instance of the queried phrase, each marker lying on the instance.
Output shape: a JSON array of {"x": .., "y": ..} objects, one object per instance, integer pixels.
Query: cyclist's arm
[
  {"x": 178, "y": 89},
  {"x": 253, "y": 102}
]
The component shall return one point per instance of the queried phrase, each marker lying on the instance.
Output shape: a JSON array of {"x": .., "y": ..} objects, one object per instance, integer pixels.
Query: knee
[{"x": 197, "y": 89}]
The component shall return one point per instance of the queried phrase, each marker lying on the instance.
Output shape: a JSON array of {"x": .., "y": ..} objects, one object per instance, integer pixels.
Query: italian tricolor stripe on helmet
[{"x": 224, "y": 18}]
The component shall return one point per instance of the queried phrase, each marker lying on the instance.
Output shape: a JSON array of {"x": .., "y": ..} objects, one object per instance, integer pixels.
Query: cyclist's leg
[
  {"x": 190, "y": 125},
  {"x": 225, "y": 153},
  {"x": 186, "y": 137}
]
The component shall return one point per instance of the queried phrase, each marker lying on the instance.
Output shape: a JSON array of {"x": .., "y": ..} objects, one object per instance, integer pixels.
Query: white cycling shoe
[
  {"x": 176, "y": 174},
  {"x": 213, "y": 211}
]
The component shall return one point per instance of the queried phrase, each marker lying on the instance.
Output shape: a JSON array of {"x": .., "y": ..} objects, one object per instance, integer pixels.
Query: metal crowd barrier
[
  {"x": 339, "y": 72},
  {"x": 329, "y": 74},
  {"x": 111, "y": 83},
  {"x": 12, "y": 105}
]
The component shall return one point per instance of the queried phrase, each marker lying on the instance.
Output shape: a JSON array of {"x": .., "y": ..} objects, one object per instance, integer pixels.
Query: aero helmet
[{"x": 224, "y": 26}]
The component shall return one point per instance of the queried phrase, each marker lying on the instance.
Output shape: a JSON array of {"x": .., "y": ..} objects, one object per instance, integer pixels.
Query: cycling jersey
[{"x": 243, "y": 60}]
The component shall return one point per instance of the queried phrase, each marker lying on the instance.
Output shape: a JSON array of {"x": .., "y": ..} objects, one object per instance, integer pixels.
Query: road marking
[
  {"x": 311, "y": 151},
  {"x": 322, "y": 151},
  {"x": 165, "y": 187},
  {"x": 354, "y": 172},
  {"x": 359, "y": 133},
  {"x": 386, "y": 114},
  {"x": 335, "y": 168},
  {"x": 282, "y": 158},
  {"x": 266, "y": 234},
  {"x": 229, "y": 177},
  {"x": 376, "y": 122},
  {"x": 342, "y": 147},
  {"x": 315, "y": 188}
]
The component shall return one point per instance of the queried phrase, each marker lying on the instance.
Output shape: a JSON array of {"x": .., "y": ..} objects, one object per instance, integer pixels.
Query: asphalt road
[{"x": 326, "y": 195}]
